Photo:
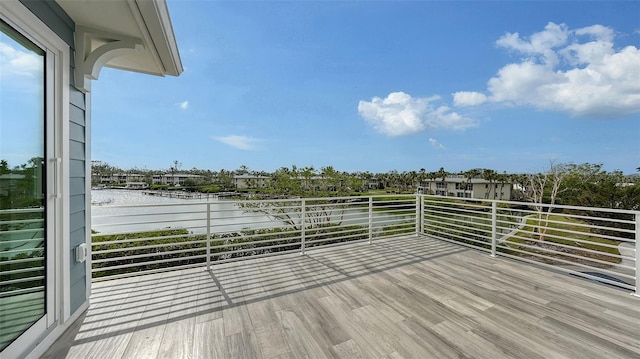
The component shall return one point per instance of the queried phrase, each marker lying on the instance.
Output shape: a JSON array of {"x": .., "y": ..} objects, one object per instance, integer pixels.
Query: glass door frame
[{"x": 57, "y": 68}]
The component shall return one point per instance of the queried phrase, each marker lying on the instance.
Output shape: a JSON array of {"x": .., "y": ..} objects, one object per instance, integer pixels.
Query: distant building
[
  {"x": 463, "y": 187},
  {"x": 177, "y": 179},
  {"x": 136, "y": 180},
  {"x": 374, "y": 183},
  {"x": 250, "y": 181},
  {"x": 136, "y": 185},
  {"x": 121, "y": 178}
]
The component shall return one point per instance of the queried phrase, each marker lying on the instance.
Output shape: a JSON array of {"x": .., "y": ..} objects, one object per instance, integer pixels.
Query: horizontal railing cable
[
  {"x": 583, "y": 241},
  {"x": 138, "y": 239}
]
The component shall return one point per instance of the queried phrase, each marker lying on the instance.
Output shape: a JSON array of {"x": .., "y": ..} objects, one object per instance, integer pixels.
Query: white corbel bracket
[{"x": 94, "y": 48}]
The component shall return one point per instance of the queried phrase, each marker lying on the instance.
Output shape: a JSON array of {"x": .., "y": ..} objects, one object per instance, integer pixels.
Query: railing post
[
  {"x": 418, "y": 211},
  {"x": 303, "y": 225},
  {"x": 422, "y": 214},
  {"x": 494, "y": 234},
  {"x": 370, "y": 219},
  {"x": 637, "y": 261},
  {"x": 208, "y": 236}
]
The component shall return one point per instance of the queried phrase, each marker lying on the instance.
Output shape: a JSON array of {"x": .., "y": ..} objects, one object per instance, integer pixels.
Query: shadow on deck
[{"x": 410, "y": 297}]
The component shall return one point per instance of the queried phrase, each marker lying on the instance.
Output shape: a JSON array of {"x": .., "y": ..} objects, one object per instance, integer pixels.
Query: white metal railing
[
  {"x": 22, "y": 270},
  {"x": 595, "y": 243},
  {"x": 21, "y": 251},
  {"x": 138, "y": 239}
]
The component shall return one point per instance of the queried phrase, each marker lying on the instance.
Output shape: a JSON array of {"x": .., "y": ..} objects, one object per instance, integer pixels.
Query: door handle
[{"x": 56, "y": 162}]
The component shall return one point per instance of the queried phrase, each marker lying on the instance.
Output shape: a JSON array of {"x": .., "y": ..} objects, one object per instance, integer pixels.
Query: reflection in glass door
[{"x": 22, "y": 185}]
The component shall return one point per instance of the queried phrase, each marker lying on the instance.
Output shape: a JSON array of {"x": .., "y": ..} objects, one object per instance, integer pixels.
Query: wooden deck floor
[{"x": 401, "y": 298}]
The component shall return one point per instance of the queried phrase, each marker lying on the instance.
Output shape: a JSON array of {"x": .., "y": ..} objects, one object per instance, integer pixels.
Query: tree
[
  {"x": 470, "y": 175},
  {"x": 285, "y": 183},
  {"x": 100, "y": 169},
  {"x": 442, "y": 174},
  {"x": 631, "y": 196},
  {"x": 295, "y": 183},
  {"x": 409, "y": 180},
  {"x": 422, "y": 176},
  {"x": 307, "y": 178},
  {"x": 543, "y": 190},
  {"x": 354, "y": 182},
  {"x": 4, "y": 167},
  {"x": 489, "y": 175},
  {"x": 225, "y": 179},
  {"x": 383, "y": 180},
  {"x": 175, "y": 167},
  {"x": 503, "y": 179},
  {"x": 590, "y": 186},
  {"x": 365, "y": 179},
  {"x": 393, "y": 179},
  {"x": 242, "y": 170},
  {"x": 520, "y": 183}
]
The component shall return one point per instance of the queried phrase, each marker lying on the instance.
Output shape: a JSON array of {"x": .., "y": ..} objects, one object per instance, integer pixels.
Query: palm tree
[
  {"x": 432, "y": 176},
  {"x": 502, "y": 178},
  {"x": 409, "y": 180},
  {"x": 393, "y": 178},
  {"x": 365, "y": 178},
  {"x": 489, "y": 175},
  {"x": 307, "y": 174},
  {"x": 470, "y": 175},
  {"x": 442, "y": 174},
  {"x": 422, "y": 175},
  {"x": 242, "y": 170}
]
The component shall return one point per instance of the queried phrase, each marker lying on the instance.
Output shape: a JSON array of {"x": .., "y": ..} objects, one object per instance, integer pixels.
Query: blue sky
[{"x": 378, "y": 86}]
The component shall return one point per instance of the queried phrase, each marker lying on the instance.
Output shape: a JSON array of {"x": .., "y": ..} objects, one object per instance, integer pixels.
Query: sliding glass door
[{"x": 23, "y": 179}]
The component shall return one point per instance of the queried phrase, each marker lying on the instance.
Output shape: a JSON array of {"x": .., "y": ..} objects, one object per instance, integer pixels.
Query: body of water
[{"x": 121, "y": 211}]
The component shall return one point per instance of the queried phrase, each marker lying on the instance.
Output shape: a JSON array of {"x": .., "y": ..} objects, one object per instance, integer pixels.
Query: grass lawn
[{"x": 557, "y": 233}]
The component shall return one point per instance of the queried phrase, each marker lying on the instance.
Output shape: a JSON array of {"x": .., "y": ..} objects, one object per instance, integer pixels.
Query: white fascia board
[{"x": 158, "y": 25}]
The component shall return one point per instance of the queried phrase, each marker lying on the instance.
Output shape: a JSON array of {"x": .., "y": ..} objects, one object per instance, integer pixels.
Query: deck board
[{"x": 411, "y": 297}]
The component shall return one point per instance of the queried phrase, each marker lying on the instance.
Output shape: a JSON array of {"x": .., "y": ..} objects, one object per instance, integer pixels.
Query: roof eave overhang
[{"x": 132, "y": 35}]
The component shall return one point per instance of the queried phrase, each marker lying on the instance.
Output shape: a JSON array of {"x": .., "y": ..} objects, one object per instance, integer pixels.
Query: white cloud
[
  {"x": 435, "y": 144},
  {"x": 400, "y": 114},
  {"x": 468, "y": 98},
  {"x": 576, "y": 71},
  {"x": 540, "y": 44},
  {"x": 239, "y": 142},
  {"x": 184, "y": 105},
  {"x": 19, "y": 62},
  {"x": 597, "y": 31}
]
